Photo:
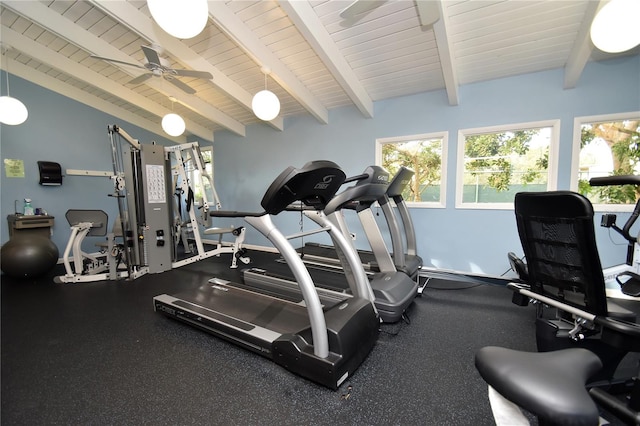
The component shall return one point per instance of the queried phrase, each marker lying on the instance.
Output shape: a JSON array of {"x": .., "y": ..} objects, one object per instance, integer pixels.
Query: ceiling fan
[
  {"x": 159, "y": 68},
  {"x": 428, "y": 10}
]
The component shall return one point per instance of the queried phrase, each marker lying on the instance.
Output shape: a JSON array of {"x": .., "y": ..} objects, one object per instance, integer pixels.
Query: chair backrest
[{"x": 558, "y": 238}]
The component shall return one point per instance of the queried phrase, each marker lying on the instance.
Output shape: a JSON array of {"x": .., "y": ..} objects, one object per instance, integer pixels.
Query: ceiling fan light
[
  {"x": 12, "y": 111},
  {"x": 181, "y": 18},
  {"x": 615, "y": 28},
  {"x": 173, "y": 124},
  {"x": 265, "y": 105}
]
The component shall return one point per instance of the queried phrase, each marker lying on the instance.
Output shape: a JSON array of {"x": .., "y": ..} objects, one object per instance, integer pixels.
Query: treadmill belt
[
  {"x": 229, "y": 304},
  {"x": 323, "y": 277},
  {"x": 328, "y": 252},
  {"x": 213, "y": 315}
]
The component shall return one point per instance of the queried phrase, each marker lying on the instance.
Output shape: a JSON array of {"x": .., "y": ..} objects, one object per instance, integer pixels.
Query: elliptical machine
[
  {"x": 623, "y": 280},
  {"x": 627, "y": 274}
]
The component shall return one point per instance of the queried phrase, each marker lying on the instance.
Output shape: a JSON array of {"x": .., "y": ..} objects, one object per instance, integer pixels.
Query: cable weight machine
[{"x": 144, "y": 189}]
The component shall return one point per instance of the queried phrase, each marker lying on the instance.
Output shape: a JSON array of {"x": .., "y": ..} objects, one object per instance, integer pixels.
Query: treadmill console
[{"x": 314, "y": 184}]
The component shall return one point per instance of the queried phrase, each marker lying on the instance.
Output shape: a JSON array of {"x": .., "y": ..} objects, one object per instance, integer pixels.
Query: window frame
[
  {"x": 575, "y": 153},
  {"x": 444, "y": 136},
  {"x": 552, "y": 170}
]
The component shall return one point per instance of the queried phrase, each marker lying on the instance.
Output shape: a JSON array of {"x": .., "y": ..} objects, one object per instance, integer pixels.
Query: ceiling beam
[
  {"x": 61, "y": 63},
  {"x": 25, "y": 72},
  {"x": 40, "y": 14},
  {"x": 447, "y": 60},
  {"x": 127, "y": 14},
  {"x": 428, "y": 12},
  {"x": 582, "y": 47},
  {"x": 310, "y": 26},
  {"x": 227, "y": 21}
]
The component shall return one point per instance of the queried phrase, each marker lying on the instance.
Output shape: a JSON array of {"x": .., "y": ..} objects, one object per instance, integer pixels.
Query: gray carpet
[{"x": 97, "y": 353}]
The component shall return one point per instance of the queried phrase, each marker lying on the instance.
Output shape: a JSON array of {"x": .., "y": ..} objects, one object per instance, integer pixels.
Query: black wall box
[{"x": 50, "y": 173}]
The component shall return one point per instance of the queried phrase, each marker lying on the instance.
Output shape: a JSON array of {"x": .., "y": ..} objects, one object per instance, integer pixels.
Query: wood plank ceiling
[{"x": 318, "y": 60}]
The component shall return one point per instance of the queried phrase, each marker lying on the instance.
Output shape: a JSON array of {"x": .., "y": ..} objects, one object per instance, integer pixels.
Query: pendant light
[
  {"x": 265, "y": 104},
  {"x": 615, "y": 28},
  {"x": 172, "y": 123},
  {"x": 180, "y": 18},
  {"x": 12, "y": 110}
]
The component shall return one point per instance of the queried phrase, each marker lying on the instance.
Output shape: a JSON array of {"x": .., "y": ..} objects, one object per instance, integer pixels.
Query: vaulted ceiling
[{"x": 318, "y": 59}]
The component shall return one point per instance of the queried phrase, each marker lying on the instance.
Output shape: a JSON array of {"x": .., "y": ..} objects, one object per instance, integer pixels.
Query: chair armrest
[
  {"x": 619, "y": 333},
  {"x": 524, "y": 290}
]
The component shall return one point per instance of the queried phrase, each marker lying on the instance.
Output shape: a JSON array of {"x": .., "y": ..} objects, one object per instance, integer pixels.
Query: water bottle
[{"x": 28, "y": 209}]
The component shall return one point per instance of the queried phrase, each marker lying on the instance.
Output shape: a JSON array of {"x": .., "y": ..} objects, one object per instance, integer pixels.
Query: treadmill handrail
[
  {"x": 394, "y": 232},
  {"x": 394, "y": 192},
  {"x": 360, "y": 286},
  {"x": 317, "y": 322}
]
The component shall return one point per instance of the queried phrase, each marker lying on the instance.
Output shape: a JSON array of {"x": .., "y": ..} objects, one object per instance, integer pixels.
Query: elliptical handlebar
[
  {"x": 621, "y": 180},
  {"x": 615, "y": 180},
  {"x": 629, "y": 223}
]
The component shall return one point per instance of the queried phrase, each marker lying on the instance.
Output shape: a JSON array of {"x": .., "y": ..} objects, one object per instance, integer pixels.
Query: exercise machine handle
[
  {"x": 629, "y": 223},
  {"x": 621, "y": 180},
  {"x": 615, "y": 180},
  {"x": 356, "y": 178}
]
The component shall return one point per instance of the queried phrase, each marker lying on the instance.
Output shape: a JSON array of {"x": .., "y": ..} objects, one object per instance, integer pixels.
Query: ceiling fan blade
[
  {"x": 180, "y": 85},
  {"x": 141, "y": 78},
  {"x": 152, "y": 55},
  {"x": 117, "y": 62},
  {"x": 358, "y": 7},
  {"x": 428, "y": 11},
  {"x": 192, "y": 73}
]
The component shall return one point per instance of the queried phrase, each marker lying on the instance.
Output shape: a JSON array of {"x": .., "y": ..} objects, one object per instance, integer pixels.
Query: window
[
  {"x": 203, "y": 185},
  {"x": 494, "y": 163},
  {"x": 425, "y": 155},
  {"x": 603, "y": 146}
]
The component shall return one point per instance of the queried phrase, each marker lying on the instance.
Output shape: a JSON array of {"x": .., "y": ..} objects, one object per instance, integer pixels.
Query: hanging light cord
[{"x": 6, "y": 71}]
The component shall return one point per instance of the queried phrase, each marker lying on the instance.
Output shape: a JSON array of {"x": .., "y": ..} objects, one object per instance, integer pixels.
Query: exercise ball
[{"x": 28, "y": 256}]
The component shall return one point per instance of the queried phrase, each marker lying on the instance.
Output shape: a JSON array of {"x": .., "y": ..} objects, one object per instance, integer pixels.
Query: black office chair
[{"x": 564, "y": 273}]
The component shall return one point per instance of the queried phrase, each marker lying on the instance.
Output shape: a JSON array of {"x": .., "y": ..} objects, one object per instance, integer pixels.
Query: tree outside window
[
  {"x": 424, "y": 154},
  {"x": 609, "y": 147},
  {"x": 499, "y": 162}
]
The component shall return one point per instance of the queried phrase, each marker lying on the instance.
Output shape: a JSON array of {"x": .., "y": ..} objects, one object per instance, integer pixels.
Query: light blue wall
[
  {"x": 61, "y": 130},
  {"x": 458, "y": 239}
]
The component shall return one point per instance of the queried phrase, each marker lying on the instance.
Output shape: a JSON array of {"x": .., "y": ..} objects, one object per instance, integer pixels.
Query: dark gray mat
[{"x": 96, "y": 353}]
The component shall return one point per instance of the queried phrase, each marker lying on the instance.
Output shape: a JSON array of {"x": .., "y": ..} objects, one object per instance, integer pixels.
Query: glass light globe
[
  {"x": 173, "y": 124},
  {"x": 265, "y": 105},
  {"x": 615, "y": 28},
  {"x": 12, "y": 111},
  {"x": 180, "y": 18}
]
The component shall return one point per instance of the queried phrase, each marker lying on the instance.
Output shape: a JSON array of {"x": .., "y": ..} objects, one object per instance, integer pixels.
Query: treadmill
[
  {"x": 405, "y": 260},
  {"x": 323, "y": 343},
  {"x": 394, "y": 291}
]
